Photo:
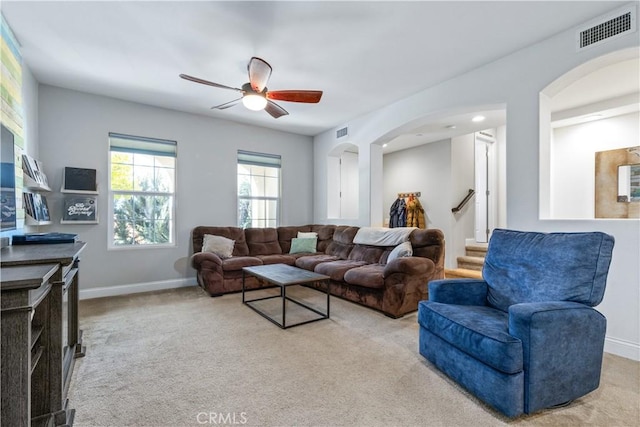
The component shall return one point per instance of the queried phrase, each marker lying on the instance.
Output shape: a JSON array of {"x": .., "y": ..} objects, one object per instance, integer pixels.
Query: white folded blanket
[{"x": 382, "y": 236}]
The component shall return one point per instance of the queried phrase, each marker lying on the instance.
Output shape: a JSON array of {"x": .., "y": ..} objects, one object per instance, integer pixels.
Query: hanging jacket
[
  {"x": 398, "y": 214},
  {"x": 415, "y": 214}
]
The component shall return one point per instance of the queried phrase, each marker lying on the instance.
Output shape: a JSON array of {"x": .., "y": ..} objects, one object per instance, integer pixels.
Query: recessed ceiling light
[
  {"x": 384, "y": 145},
  {"x": 451, "y": 126},
  {"x": 418, "y": 134},
  {"x": 478, "y": 119}
]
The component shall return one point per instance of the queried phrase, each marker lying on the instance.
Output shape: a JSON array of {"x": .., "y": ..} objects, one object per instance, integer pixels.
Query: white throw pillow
[
  {"x": 402, "y": 250},
  {"x": 219, "y": 245},
  {"x": 307, "y": 235}
]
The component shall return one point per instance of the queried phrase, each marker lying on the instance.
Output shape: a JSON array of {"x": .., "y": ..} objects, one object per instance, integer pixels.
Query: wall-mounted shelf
[
  {"x": 62, "y": 190},
  {"x": 28, "y": 220},
  {"x": 31, "y": 184},
  {"x": 62, "y": 221}
]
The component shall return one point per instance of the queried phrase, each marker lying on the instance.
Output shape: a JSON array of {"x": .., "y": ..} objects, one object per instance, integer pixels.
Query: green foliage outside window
[{"x": 142, "y": 187}]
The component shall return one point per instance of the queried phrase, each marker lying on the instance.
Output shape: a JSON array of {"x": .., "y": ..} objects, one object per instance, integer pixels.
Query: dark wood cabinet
[{"x": 40, "y": 332}]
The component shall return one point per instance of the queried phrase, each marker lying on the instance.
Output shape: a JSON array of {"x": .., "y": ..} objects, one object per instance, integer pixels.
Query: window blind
[
  {"x": 137, "y": 144},
  {"x": 259, "y": 159}
]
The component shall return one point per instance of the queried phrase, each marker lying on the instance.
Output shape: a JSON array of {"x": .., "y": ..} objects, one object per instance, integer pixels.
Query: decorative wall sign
[
  {"x": 80, "y": 209},
  {"x": 79, "y": 180}
]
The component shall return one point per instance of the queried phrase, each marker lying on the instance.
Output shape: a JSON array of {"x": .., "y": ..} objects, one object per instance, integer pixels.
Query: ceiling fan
[{"x": 255, "y": 95}]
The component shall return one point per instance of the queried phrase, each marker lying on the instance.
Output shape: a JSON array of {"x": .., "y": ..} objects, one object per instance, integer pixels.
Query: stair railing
[{"x": 464, "y": 201}]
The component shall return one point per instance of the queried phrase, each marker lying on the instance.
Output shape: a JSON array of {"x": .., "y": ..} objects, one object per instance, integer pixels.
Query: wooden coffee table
[{"x": 284, "y": 276}]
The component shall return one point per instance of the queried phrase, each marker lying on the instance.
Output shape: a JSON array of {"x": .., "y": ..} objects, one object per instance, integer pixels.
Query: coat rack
[{"x": 414, "y": 194}]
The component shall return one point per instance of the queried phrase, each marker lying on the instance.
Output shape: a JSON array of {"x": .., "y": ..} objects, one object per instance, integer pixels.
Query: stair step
[
  {"x": 476, "y": 249},
  {"x": 471, "y": 262},
  {"x": 462, "y": 273}
]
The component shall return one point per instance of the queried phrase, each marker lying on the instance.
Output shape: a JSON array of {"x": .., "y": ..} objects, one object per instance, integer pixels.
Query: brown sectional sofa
[{"x": 359, "y": 273}]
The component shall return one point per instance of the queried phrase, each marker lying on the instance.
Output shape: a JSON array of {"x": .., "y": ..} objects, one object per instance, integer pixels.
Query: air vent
[
  {"x": 342, "y": 132},
  {"x": 606, "y": 28}
]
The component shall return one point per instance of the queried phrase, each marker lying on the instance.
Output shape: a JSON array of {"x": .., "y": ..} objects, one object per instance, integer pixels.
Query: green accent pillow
[{"x": 303, "y": 245}]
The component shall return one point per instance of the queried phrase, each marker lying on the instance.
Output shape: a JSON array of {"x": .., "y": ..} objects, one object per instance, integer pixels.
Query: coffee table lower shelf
[{"x": 284, "y": 276}]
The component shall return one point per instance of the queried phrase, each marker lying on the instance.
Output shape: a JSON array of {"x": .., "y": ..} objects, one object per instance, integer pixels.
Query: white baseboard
[
  {"x": 110, "y": 291},
  {"x": 622, "y": 348}
]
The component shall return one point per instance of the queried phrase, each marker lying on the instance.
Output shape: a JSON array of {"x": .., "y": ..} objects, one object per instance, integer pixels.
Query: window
[
  {"x": 258, "y": 189},
  {"x": 141, "y": 191}
]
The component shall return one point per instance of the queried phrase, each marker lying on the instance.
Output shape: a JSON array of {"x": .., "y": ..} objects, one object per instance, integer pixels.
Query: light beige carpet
[{"x": 181, "y": 358}]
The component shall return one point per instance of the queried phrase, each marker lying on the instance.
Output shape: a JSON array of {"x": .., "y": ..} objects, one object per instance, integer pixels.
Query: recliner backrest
[{"x": 532, "y": 267}]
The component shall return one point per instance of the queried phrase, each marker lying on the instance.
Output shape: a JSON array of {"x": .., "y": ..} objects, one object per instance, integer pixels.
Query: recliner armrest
[
  {"x": 551, "y": 319},
  {"x": 562, "y": 344},
  {"x": 199, "y": 257},
  {"x": 458, "y": 291},
  {"x": 408, "y": 265}
]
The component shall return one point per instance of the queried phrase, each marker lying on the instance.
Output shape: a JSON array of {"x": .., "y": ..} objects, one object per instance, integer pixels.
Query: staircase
[{"x": 469, "y": 265}]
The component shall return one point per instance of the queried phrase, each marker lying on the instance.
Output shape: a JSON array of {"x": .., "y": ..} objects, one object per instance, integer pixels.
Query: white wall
[
  {"x": 30, "y": 109},
  {"x": 573, "y": 151},
  {"x": 74, "y": 131},
  {"x": 426, "y": 169},
  {"x": 462, "y": 179},
  {"x": 443, "y": 172},
  {"x": 515, "y": 80}
]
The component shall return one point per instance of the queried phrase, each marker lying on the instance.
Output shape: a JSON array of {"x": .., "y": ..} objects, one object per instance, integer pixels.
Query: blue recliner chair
[{"x": 525, "y": 337}]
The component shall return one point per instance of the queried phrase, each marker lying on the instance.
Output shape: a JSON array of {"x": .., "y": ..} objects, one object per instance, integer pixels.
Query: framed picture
[
  {"x": 80, "y": 209},
  {"x": 79, "y": 180}
]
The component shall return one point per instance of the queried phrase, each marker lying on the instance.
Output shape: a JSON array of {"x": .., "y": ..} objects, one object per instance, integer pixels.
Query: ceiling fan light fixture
[{"x": 254, "y": 102}]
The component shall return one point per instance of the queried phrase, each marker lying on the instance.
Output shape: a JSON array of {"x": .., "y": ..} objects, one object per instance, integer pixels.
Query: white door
[
  {"x": 349, "y": 185},
  {"x": 483, "y": 142}
]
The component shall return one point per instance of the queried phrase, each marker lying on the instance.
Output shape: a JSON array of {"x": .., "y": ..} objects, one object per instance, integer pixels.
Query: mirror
[{"x": 629, "y": 183}]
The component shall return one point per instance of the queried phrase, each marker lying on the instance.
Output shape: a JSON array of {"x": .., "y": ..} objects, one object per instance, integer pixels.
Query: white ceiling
[{"x": 363, "y": 55}]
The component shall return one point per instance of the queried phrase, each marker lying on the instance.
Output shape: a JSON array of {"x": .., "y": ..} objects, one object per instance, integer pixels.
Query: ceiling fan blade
[
  {"x": 207, "y": 82},
  {"x": 226, "y": 105},
  {"x": 275, "y": 110},
  {"x": 308, "y": 96},
  {"x": 259, "y": 73}
]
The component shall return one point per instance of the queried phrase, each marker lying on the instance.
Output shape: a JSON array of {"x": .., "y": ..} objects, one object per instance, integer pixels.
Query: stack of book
[
  {"x": 33, "y": 168},
  {"x": 35, "y": 205}
]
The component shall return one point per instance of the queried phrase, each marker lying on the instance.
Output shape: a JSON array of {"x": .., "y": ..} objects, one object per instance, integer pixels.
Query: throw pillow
[
  {"x": 219, "y": 245},
  {"x": 402, "y": 250},
  {"x": 303, "y": 245},
  {"x": 307, "y": 235}
]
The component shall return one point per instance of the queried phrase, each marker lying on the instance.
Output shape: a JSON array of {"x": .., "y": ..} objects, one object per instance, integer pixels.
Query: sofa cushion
[
  {"x": 402, "y": 250},
  {"x": 538, "y": 273},
  {"x": 368, "y": 276},
  {"x": 325, "y": 235},
  {"x": 342, "y": 242},
  {"x": 285, "y": 234},
  {"x": 480, "y": 331},
  {"x": 262, "y": 241},
  {"x": 368, "y": 254},
  {"x": 236, "y": 234},
  {"x": 219, "y": 245},
  {"x": 307, "y": 235},
  {"x": 237, "y": 262},
  {"x": 277, "y": 259},
  {"x": 337, "y": 269},
  {"x": 303, "y": 245},
  {"x": 309, "y": 262}
]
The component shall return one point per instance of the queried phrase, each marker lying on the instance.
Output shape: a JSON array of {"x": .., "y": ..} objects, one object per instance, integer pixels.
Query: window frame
[
  {"x": 263, "y": 160},
  {"x": 113, "y": 193}
]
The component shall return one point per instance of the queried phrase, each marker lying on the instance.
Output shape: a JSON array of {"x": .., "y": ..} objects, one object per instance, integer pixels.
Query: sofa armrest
[
  {"x": 408, "y": 265},
  {"x": 562, "y": 345},
  {"x": 199, "y": 258},
  {"x": 458, "y": 291}
]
